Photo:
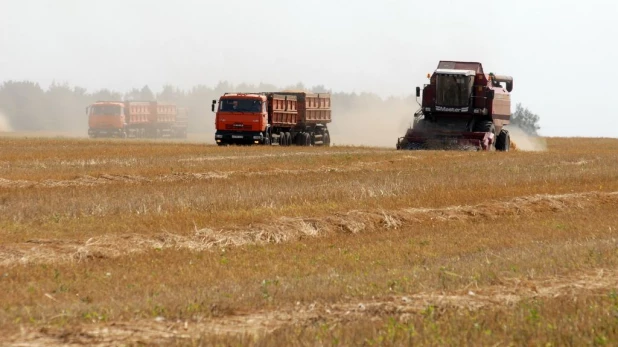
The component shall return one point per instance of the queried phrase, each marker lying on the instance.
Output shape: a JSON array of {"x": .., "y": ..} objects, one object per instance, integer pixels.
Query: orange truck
[
  {"x": 283, "y": 118},
  {"x": 137, "y": 119}
]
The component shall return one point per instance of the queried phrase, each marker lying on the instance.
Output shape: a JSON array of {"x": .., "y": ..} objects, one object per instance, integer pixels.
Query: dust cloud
[
  {"x": 359, "y": 119},
  {"x": 525, "y": 141},
  {"x": 5, "y": 125},
  {"x": 368, "y": 120}
]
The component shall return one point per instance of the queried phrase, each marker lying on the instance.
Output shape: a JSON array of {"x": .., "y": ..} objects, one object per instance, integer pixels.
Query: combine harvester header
[{"x": 462, "y": 108}]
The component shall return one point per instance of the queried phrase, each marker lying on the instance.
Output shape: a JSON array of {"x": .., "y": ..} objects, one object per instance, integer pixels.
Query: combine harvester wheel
[{"x": 503, "y": 142}]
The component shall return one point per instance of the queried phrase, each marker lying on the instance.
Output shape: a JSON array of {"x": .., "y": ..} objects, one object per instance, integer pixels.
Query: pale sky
[{"x": 561, "y": 54}]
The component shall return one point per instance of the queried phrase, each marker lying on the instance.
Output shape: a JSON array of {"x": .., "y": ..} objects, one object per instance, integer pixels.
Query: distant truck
[
  {"x": 136, "y": 119},
  {"x": 283, "y": 118},
  {"x": 179, "y": 129}
]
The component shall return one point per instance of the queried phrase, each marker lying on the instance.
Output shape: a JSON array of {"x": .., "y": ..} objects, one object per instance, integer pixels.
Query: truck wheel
[
  {"x": 326, "y": 139},
  {"x": 503, "y": 142}
]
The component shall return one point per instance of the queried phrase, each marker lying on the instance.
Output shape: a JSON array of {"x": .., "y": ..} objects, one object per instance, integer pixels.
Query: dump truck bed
[
  {"x": 313, "y": 108},
  {"x": 150, "y": 112},
  {"x": 283, "y": 110}
]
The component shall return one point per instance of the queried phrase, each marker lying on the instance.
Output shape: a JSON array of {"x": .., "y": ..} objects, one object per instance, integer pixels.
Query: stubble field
[{"x": 131, "y": 242}]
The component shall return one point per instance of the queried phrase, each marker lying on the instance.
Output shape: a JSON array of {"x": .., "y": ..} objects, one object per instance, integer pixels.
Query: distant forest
[{"x": 27, "y": 106}]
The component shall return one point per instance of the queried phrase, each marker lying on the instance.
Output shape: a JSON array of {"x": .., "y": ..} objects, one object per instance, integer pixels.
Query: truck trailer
[
  {"x": 462, "y": 108},
  {"x": 283, "y": 118},
  {"x": 136, "y": 119},
  {"x": 179, "y": 129}
]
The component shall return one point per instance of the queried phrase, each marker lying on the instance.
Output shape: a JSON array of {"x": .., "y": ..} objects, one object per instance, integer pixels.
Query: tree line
[{"x": 27, "y": 106}]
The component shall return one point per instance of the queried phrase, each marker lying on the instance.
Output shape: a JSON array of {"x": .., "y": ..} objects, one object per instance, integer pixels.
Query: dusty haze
[
  {"x": 371, "y": 121},
  {"x": 364, "y": 119},
  {"x": 349, "y": 46},
  {"x": 5, "y": 125},
  {"x": 358, "y": 119},
  {"x": 525, "y": 141}
]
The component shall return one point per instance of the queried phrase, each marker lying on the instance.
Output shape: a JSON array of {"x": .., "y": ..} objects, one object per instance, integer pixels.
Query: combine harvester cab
[
  {"x": 462, "y": 108},
  {"x": 283, "y": 118}
]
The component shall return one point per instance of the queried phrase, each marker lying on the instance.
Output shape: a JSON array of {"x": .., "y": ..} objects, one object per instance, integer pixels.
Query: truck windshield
[
  {"x": 240, "y": 105},
  {"x": 105, "y": 110},
  {"x": 454, "y": 90}
]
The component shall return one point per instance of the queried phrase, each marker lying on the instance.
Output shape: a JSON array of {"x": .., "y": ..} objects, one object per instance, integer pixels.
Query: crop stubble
[{"x": 100, "y": 238}]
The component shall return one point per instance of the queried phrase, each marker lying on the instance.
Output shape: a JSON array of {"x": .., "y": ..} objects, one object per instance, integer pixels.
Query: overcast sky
[{"x": 562, "y": 54}]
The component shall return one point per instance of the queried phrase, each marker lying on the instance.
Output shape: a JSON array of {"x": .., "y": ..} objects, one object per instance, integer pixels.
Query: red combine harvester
[{"x": 462, "y": 108}]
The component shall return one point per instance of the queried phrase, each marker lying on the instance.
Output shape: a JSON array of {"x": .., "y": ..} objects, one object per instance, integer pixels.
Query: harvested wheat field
[{"x": 161, "y": 243}]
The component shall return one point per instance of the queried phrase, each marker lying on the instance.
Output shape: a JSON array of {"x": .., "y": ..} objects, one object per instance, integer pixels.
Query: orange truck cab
[
  {"x": 242, "y": 119},
  {"x": 106, "y": 119}
]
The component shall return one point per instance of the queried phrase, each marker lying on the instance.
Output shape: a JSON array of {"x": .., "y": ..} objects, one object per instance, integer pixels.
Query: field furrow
[
  {"x": 258, "y": 324},
  {"x": 288, "y": 229},
  {"x": 109, "y": 243}
]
